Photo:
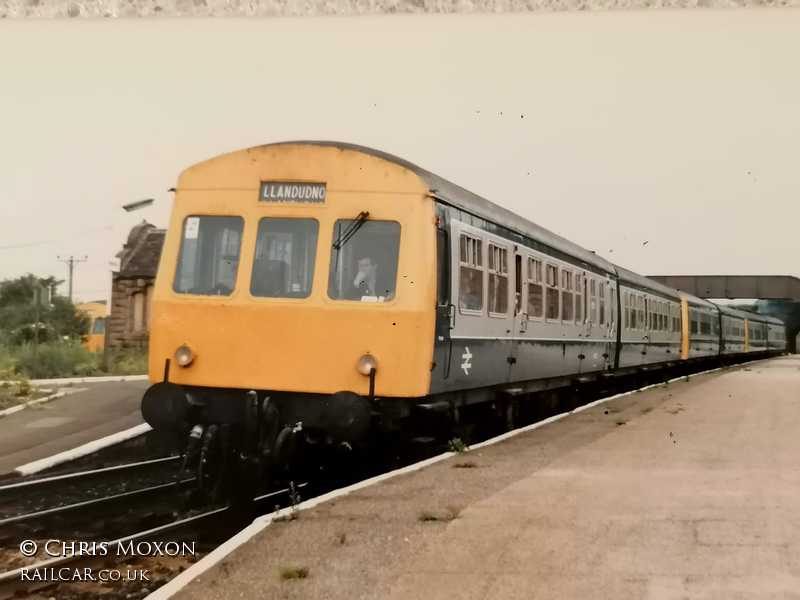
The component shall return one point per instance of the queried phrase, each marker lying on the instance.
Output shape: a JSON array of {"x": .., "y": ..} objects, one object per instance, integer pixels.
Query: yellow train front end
[{"x": 295, "y": 293}]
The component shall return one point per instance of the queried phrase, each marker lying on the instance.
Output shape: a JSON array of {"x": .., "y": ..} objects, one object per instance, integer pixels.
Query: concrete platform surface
[
  {"x": 690, "y": 490},
  {"x": 65, "y": 423}
]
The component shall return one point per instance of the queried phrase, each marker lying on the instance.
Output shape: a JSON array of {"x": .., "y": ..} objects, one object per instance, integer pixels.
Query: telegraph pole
[{"x": 70, "y": 262}]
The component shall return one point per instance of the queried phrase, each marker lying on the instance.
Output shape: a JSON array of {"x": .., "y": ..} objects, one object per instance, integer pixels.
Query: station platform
[
  {"x": 685, "y": 490},
  {"x": 47, "y": 429}
]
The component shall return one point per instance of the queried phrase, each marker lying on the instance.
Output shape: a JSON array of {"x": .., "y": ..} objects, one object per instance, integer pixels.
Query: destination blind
[{"x": 292, "y": 191}]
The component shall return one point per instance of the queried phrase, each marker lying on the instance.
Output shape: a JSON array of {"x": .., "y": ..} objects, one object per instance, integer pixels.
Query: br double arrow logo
[{"x": 466, "y": 364}]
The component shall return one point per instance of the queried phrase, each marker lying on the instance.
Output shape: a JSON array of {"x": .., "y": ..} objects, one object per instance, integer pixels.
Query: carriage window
[
  {"x": 442, "y": 268},
  {"x": 535, "y": 292},
  {"x": 602, "y": 303},
  {"x": 642, "y": 317},
  {"x": 627, "y": 301},
  {"x": 592, "y": 314},
  {"x": 694, "y": 328},
  {"x": 470, "y": 284},
  {"x": 567, "y": 310},
  {"x": 705, "y": 325},
  {"x": 498, "y": 280},
  {"x": 209, "y": 255},
  {"x": 612, "y": 307},
  {"x": 364, "y": 262},
  {"x": 284, "y": 262},
  {"x": 580, "y": 283},
  {"x": 552, "y": 310},
  {"x": 632, "y": 303},
  {"x": 99, "y": 326}
]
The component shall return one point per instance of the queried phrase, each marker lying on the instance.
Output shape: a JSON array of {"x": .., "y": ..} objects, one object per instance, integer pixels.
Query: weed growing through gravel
[
  {"x": 465, "y": 465},
  {"x": 294, "y": 500},
  {"x": 288, "y": 573},
  {"x": 450, "y": 513},
  {"x": 457, "y": 445}
]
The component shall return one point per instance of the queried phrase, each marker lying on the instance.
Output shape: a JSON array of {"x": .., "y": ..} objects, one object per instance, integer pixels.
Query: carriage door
[
  {"x": 519, "y": 323},
  {"x": 445, "y": 309}
]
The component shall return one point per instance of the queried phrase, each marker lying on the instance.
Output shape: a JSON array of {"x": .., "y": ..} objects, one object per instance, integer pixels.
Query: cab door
[{"x": 445, "y": 309}]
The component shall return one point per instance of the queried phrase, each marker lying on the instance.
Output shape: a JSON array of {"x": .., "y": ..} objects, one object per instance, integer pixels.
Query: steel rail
[{"x": 84, "y": 474}]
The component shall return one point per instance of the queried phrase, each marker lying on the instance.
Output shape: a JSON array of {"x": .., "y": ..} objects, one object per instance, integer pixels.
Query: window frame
[
  {"x": 179, "y": 259},
  {"x": 333, "y": 224},
  {"x": 548, "y": 286},
  {"x": 566, "y": 275},
  {"x": 502, "y": 251},
  {"x": 482, "y": 267},
  {"x": 259, "y": 298},
  {"x": 541, "y": 283}
]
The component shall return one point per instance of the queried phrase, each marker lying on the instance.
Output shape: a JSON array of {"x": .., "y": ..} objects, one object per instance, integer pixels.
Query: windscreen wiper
[{"x": 351, "y": 230}]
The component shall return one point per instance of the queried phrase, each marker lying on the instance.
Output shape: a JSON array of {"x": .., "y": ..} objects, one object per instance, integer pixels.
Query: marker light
[
  {"x": 366, "y": 363},
  {"x": 184, "y": 356}
]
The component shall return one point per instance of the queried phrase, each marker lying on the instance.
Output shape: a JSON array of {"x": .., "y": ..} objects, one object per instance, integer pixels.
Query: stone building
[{"x": 132, "y": 287}]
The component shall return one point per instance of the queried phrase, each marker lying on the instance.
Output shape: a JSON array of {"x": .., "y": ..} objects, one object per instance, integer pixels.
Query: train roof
[
  {"x": 461, "y": 198},
  {"x": 467, "y": 201},
  {"x": 746, "y": 314},
  {"x": 641, "y": 281}
]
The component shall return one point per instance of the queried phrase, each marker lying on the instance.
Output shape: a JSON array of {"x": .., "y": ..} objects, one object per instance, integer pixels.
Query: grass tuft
[
  {"x": 442, "y": 516},
  {"x": 465, "y": 465},
  {"x": 457, "y": 445},
  {"x": 289, "y": 573}
]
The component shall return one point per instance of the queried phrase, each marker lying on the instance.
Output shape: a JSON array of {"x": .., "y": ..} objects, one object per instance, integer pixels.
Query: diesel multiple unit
[{"x": 323, "y": 291}]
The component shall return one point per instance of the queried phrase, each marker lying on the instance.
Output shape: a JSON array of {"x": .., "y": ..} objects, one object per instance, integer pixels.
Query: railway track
[
  {"x": 151, "y": 512},
  {"x": 198, "y": 531},
  {"x": 39, "y": 494}
]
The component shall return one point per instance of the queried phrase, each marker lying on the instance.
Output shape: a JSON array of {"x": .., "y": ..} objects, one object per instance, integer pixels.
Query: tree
[{"x": 18, "y": 313}]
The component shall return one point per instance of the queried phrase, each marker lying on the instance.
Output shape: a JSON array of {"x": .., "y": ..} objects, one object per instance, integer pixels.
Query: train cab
[
  {"x": 296, "y": 272},
  {"x": 95, "y": 339}
]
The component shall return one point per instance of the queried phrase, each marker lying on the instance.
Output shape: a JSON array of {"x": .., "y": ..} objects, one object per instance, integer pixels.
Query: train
[
  {"x": 95, "y": 339},
  {"x": 318, "y": 293}
]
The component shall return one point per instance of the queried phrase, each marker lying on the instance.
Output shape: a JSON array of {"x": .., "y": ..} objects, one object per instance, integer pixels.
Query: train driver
[{"x": 371, "y": 281}]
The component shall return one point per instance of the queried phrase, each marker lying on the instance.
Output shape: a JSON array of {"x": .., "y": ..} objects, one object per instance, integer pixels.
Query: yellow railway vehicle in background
[{"x": 95, "y": 340}]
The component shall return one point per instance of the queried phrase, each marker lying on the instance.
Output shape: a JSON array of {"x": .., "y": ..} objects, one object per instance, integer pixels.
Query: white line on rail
[{"x": 88, "y": 448}]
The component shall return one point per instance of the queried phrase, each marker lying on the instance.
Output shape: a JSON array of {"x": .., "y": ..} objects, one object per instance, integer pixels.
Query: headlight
[
  {"x": 366, "y": 363},
  {"x": 184, "y": 356}
]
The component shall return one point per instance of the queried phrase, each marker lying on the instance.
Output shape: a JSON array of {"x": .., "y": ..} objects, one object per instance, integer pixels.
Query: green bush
[
  {"x": 7, "y": 360},
  {"x": 67, "y": 359},
  {"x": 125, "y": 362}
]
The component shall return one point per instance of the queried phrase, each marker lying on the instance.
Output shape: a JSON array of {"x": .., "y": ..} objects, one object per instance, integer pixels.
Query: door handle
[{"x": 451, "y": 315}]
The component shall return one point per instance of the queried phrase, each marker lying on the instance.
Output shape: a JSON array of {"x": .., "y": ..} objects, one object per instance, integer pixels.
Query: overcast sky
[{"x": 679, "y": 128}]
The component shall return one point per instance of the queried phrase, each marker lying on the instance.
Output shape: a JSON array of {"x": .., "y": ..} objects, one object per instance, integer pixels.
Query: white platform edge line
[
  {"x": 103, "y": 379},
  {"x": 93, "y": 446},
  {"x": 260, "y": 523},
  {"x": 29, "y": 403},
  {"x": 11, "y": 410}
]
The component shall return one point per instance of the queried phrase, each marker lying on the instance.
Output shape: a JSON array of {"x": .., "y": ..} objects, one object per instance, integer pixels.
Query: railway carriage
[
  {"x": 702, "y": 336},
  {"x": 319, "y": 292},
  {"x": 776, "y": 335},
  {"x": 733, "y": 330},
  {"x": 650, "y": 326}
]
